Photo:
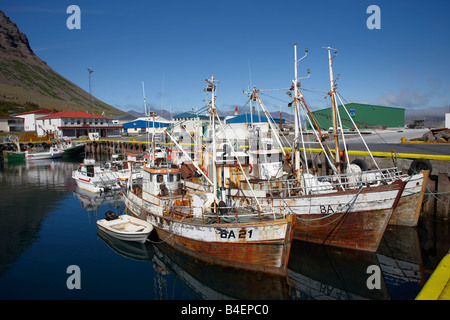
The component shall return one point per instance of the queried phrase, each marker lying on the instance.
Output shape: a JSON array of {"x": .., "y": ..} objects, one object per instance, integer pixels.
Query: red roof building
[
  {"x": 29, "y": 118},
  {"x": 75, "y": 124},
  {"x": 41, "y": 112},
  {"x": 73, "y": 114}
]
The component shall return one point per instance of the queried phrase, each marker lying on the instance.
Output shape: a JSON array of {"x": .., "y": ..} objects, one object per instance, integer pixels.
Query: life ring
[
  {"x": 251, "y": 168},
  {"x": 160, "y": 178}
]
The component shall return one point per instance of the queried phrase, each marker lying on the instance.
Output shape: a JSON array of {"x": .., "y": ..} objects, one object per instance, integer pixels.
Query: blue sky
[{"x": 173, "y": 46}]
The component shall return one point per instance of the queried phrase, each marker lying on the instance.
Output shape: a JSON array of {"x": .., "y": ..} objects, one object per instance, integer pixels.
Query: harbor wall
[{"x": 436, "y": 202}]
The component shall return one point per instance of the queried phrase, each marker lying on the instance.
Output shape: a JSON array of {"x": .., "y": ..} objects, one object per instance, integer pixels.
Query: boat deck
[{"x": 231, "y": 216}]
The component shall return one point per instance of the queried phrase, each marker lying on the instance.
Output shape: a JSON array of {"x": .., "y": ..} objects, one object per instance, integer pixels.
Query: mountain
[
  {"x": 274, "y": 114},
  {"x": 25, "y": 78},
  {"x": 162, "y": 113},
  {"x": 433, "y": 116}
]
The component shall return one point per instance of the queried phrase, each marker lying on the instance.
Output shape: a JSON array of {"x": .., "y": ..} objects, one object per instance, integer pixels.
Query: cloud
[
  {"x": 59, "y": 9},
  {"x": 405, "y": 98}
]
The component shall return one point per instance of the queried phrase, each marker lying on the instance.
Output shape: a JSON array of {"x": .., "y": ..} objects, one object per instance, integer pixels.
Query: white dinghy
[{"x": 125, "y": 227}]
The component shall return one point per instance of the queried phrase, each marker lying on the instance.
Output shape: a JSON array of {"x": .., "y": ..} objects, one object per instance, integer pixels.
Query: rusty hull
[
  {"x": 407, "y": 212},
  {"x": 353, "y": 230},
  {"x": 269, "y": 257},
  {"x": 361, "y": 230}
]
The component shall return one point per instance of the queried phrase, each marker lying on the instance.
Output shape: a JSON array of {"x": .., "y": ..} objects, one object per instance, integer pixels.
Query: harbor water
[{"x": 51, "y": 249}]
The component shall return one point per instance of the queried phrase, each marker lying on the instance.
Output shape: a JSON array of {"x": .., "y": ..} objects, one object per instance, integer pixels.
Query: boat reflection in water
[
  {"x": 324, "y": 273},
  {"x": 315, "y": 272},
  {"x": 91, "y": 201},
  {"x": 128, "y": 249},
  {"x": 400, "y": 260},
  {"x": 207, "y": 281}
]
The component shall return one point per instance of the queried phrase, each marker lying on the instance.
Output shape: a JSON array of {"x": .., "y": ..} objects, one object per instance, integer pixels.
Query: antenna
[
  {"x": 162, "y": 93},
  {"x": 90, "y": 87},
  {"x": 145, "y": 104}
]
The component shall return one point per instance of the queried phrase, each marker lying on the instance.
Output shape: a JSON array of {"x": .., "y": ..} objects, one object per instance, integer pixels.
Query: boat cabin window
[
  {"x": 174, "y": 177},
  {"x": 90, "y": 171},
  {"x": 159, "y": 178}
]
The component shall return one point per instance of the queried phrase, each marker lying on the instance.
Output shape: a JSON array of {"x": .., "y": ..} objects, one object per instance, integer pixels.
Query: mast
[
  {"x": 153, "y": 137},
  {"x": 211, "y": 87},
  {"x": 147, "y": 114},
  {"x": 298, "y": 129},
  {"x": 296, "y": 115},
  {"x": 271, "y": 124},
  {"x": 333, "y": 107}
]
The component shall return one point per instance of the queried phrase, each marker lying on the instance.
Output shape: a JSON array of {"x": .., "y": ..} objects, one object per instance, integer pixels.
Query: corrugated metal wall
[{"x": 364, "y": 116}]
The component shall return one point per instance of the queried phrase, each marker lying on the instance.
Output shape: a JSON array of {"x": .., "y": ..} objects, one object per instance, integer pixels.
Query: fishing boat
[
  {"x": 120, "y": 168},
  {"x": 125, "y": 227},
  {"x": 407, "y": 211},
  {"x": 35, "y": 154},
  {"x": 330, "y": 210},
  {"x": 92, "y": 177},
  {"x": 326, "y": 213},
  {"x": 202, "y": 225},
  {"x": 70, "y": 147}
]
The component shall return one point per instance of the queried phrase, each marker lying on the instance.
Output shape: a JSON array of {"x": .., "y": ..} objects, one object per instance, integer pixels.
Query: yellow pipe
[
  {"x": 386, "y": 154},
  {"x": 350, "y": 152}
]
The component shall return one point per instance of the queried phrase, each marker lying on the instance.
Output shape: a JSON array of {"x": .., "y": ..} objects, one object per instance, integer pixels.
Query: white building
[
  {"x": 239, "y": 127},
  {"x": 74, "y": 124},
  {"x": 189, "y": 122},
  {"x": 29, "y": 118},
  {"x": 11, "y": 124}
]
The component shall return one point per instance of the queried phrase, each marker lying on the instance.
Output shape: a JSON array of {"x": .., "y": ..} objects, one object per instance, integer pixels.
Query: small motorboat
[
  {"x": 125, "y": 227},
  {"x": 34, "y": 154},
  {"x": 92, "y": 177}
]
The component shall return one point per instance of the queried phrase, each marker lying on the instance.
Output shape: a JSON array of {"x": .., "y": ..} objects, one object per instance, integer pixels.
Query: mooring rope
[{"x": 349, "y": 206}]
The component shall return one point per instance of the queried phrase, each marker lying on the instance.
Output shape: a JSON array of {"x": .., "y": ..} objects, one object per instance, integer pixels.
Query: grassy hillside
[{"x": 22, "y": 82}]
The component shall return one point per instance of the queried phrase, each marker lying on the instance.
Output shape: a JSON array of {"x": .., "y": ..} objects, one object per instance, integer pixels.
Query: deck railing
[{"x": 222, "y": 214}]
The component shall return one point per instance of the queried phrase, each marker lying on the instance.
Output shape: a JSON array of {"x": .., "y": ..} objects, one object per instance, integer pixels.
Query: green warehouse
[{"x": 365, "y": 116}]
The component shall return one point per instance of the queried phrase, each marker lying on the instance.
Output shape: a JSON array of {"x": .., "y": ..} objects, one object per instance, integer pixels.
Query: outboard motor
[{"x": 110, "y": 215}]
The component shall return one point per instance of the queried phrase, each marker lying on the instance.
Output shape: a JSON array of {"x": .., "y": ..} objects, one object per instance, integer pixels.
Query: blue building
[
  {"x": 256, "y": 118},
  {"x": 143, "y": 125}
]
